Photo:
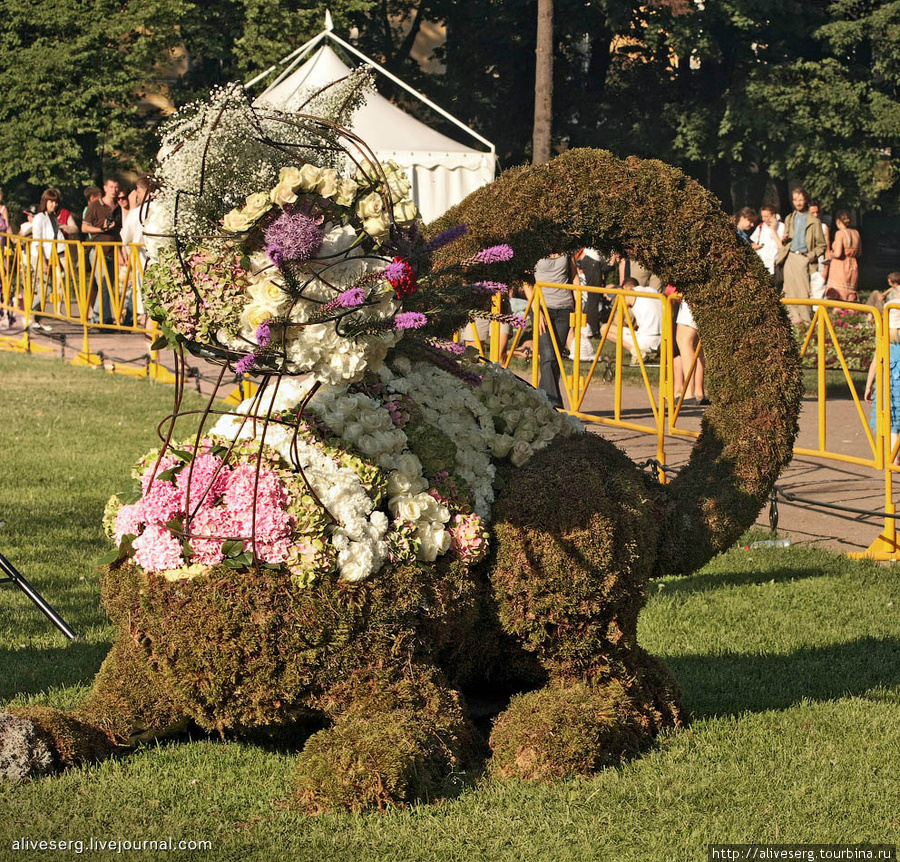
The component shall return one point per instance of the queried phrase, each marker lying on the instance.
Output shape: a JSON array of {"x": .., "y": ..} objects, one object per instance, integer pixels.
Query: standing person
[
  {"x": 103, "y": 224},
  {"x": 44, "y": 227},
  {"x": 803, "y": 243},
  {"x": 745, "y": 221},
  {"x": 66, "y": 222},
  {"x": 892, "y": 371},
  {"x": 133, "y": 235},
  {"x": 843, "y": 271},
  {"x": 4, "y": 221},
  {"x": 687, "y": 339},
  {"x": 556, "y": 269},
  {"x": 766, "y": 238},
  {"x": 815, "y": 210}
]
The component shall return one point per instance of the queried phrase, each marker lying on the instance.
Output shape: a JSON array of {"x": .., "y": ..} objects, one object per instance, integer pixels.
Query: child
[{"x": 892, "y": 387}]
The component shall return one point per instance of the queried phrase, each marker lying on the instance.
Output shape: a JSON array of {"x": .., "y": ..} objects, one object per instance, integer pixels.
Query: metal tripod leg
[{"x": 15, "y": 577}]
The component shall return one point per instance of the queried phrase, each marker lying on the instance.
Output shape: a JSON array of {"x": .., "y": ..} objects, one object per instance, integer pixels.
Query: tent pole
[
  {"x": 296, "y": 56},
  {"x": 409, "y": 89}
]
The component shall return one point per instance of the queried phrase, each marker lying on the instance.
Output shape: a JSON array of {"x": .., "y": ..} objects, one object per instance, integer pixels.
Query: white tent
[{"x": 441, "y": 170}]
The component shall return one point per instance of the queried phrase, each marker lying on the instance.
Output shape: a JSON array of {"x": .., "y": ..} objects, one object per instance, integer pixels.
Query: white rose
[
  {"x": 433, "y": 540},
  {"x": 409, "y": 464},
  {"x": 368, "y": 444},
  {"x": 405, "y": 508},
  {"x": 346, "y": 192},
  {"x": 283, "y": 194},
  {"x": 366, "y": 173},
  {"x": 256, "y": 206},
  {"x": 500, "y": 445},
  {"x": 521, "y": 452},
  {"x": 405, "y": 213},
  {"x": 255, "y": 315},
  {"x": 236, "y": 222},
  {"x": 377, "y": 227},
  {"x": 370, "y": 206},
  {"x": 399, "y": 484},
  {"x": 327, "y": 185},
  {"x": 290, "y": 177},
  {"x": 309, "y": 177},
  {"x": 399, "y": 186},
  {"x": 270, "y": 294}
]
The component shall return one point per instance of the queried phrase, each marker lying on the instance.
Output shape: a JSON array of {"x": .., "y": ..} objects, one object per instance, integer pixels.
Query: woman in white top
[
  {"x": 44, "y": 227},
  {"x": 766, "y": 238}
]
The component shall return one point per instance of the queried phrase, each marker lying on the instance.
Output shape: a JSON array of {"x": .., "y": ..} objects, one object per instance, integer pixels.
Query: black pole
[{"x": 13, "y": 575}]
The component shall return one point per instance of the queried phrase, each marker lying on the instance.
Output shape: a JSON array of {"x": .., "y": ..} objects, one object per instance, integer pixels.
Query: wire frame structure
[{"x": 304, "y": 136}]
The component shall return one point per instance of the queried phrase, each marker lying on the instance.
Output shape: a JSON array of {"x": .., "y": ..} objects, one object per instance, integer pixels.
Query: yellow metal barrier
[
  {"x": 79, "y": 282},
  {"x": 94, "y": 286}
]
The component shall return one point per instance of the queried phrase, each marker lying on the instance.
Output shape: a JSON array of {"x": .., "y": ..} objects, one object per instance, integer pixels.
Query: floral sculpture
[{"x": 387, "y": 525}]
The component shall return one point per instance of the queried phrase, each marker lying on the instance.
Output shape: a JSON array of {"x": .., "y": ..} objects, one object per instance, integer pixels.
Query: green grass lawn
[{"x": 789, "y": 660}]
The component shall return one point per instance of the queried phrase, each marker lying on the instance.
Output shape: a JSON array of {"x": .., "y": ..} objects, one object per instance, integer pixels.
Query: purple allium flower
[
  {"x": 263, "y": 334},
  {"x": 491, "y": 286},
  {"x": 410, "y": 320},
  {"x": 493, "y": 254},
  {"x": 445, "y": 238},
  {"x": 293, "y": 236}
]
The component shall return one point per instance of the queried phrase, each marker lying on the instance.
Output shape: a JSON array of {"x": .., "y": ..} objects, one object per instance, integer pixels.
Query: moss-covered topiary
[{"x": 382, "y": 665}]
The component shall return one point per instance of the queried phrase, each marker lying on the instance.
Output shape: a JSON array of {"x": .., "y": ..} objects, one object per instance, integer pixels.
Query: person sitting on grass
[{"x": 647, "y": 316}]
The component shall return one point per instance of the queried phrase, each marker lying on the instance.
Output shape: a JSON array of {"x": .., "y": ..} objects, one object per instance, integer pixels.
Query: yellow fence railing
[
  {"x": 96, "y": 286},
  {"x": 819, "y": 343}
]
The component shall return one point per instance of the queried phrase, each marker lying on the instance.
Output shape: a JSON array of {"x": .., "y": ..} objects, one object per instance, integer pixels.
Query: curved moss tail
[{"x": 655, "y": 215}]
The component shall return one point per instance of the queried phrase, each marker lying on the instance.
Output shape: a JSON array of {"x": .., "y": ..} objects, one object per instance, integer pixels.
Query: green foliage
[{"x": 73, "y": 75}]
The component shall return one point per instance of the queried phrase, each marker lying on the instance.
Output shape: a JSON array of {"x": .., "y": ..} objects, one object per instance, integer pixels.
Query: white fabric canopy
[{"x": 442, "y": 171}]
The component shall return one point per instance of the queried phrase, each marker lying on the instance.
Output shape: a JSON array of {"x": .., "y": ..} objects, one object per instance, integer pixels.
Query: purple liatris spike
[
  {"x": 493, "y": 254},
  {"x": 244, "y": 364},
  {"x": 451, "y": 347},
  {"x": 410, "y": 320},
  {"x": 350, "y": 298},
  {"x": 491, "y": 286},
  {"x": 293, "y": 236},
  {"x": 446, "y": 237},
  {"x": 263, "y": 334}
]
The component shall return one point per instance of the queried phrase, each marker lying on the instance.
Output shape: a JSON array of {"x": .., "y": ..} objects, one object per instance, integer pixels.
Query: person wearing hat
[{"x": 29, "y": 213}]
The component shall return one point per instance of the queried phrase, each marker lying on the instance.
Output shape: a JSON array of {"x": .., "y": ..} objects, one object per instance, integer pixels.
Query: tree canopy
[{"x": 745, "y": 95}]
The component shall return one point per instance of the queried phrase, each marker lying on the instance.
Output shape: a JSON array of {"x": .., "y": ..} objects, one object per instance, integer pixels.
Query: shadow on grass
[
  {"x": 717, "y": 580},
  {"x": 729, "y": 684},
  {"x": 31, "y": 670}
]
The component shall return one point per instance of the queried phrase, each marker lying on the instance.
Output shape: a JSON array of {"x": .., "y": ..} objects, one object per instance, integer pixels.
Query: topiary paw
[
  {"x": 560, "y": 732},
  {"x": 35, "y": 741},
  {"x": 375, "y": 761},
  {"x": 24, "y": 753}
]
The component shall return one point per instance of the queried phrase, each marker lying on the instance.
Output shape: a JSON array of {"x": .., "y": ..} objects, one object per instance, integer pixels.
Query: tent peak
[{"x": 329, "y": 23}]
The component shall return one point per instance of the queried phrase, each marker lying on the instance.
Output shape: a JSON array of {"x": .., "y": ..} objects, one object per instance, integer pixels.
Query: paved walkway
[{"x": 814, "y": 478}]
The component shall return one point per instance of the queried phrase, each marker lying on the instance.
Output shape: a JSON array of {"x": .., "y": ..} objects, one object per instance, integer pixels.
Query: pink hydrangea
[
  {"x": 201, "y": 472},
  {"x": 161, "y": 503},
  {"x": 128, "y": 522},
  {"x": 468, "y": 537},
  {"x": 157, "y": 550},
  {"x": 209, "y": 521},
  {"x": 153, "y": 471}
]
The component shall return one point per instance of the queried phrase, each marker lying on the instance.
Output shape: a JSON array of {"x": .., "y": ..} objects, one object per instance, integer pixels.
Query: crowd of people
[
  {"x": 110, "y": 215},
  {"x": 807, "y": 257}
]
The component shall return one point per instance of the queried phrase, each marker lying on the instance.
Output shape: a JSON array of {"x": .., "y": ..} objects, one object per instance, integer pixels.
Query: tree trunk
[{"x": 543, "y": 84}]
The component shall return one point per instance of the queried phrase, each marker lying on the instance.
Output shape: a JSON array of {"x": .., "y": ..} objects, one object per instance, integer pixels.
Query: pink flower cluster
[
  {"x": 468, "y": 537},
  {"x": 225, "y": 502}
]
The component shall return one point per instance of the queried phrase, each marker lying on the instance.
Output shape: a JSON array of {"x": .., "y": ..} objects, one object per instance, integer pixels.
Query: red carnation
[{"x": 401, "y": 276}]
